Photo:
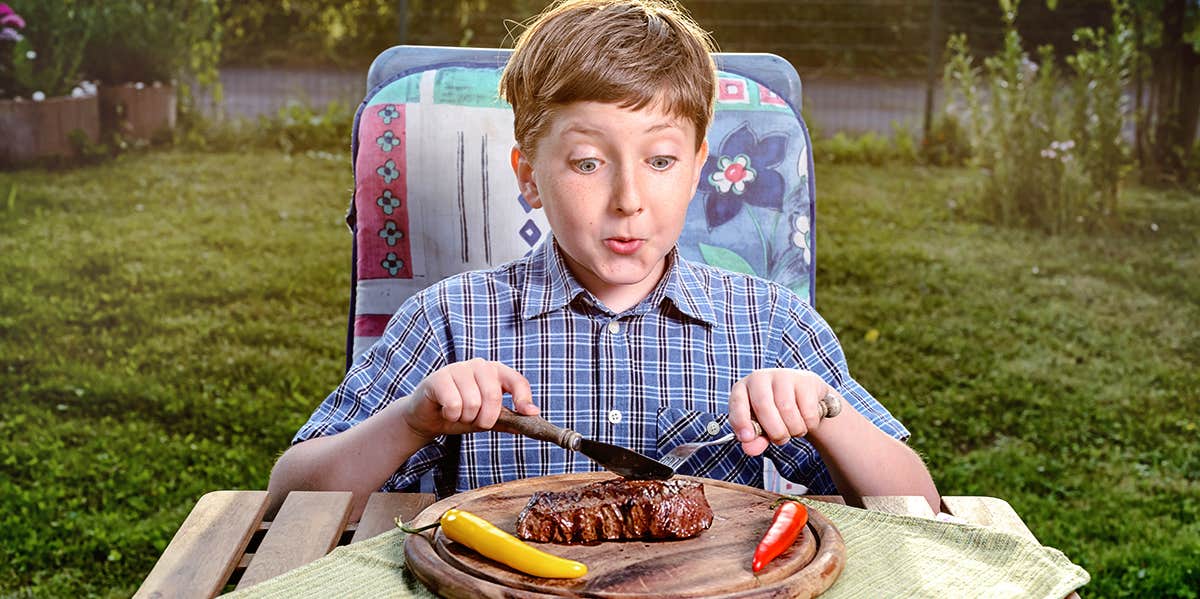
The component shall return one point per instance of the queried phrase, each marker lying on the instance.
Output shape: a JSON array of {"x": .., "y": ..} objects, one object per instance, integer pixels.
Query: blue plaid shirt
[{"x": 649, "y": 378}]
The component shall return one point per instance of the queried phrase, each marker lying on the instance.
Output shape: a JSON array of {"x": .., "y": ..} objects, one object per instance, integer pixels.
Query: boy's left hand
[{"x": 785, "y": 402}]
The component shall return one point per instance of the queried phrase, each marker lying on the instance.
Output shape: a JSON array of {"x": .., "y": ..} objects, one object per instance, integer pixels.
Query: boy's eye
[
  {"x": 587, "y": 165},
  {"x": 661, "y": 163}
]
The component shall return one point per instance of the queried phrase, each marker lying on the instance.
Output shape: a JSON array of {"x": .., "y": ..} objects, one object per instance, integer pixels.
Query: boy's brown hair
[{"x": 629, "y": 52}]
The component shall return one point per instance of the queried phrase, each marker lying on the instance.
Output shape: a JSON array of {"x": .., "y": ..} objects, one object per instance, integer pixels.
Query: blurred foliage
[
  {"x": 296, "y": 127},
  {"x": 49, "y": 59},
  {"x": 155, "y": 40},
  {"x": 300, "y": 33}
]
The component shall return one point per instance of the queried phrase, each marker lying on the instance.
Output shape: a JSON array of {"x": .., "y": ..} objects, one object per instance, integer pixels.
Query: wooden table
[{"x": 225, "y": 543}]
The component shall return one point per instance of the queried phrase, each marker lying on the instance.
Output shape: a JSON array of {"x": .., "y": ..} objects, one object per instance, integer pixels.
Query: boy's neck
[{"x": 617, "y": 298}]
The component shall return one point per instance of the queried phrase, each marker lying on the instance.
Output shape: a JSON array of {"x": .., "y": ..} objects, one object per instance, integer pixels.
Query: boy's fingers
[
  {"x": 468, "y": 391},
  {"x": 739, "y": 413},
  {"x": 518, "y": 386},
  {"x": 762, "y": 401},
  {"x": 755, "y": 446},
  {"x": 491, "y": 395},
  {"x": 787, "y": 396},
  {"x": 444, "y": 393}
]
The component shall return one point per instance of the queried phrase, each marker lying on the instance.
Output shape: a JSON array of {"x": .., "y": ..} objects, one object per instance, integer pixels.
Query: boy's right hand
[{"x": 465, "y": 397}]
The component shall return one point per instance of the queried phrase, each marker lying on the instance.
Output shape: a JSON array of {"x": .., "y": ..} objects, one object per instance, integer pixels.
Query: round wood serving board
[{"x": 714, "y": 564}]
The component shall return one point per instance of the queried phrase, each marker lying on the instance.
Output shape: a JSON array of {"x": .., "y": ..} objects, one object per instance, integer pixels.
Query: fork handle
[
  {"x": 830, "y": 406},
  {"x": 539, "y": 428}
]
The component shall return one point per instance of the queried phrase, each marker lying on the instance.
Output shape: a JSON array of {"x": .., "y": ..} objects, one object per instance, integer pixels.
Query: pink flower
[{"x": 8, "y": 18}]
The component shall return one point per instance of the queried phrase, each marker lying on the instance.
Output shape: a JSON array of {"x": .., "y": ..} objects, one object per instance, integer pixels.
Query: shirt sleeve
[
  {"x": 411, "y": 347},
  {"x": 807, "y": 342}
]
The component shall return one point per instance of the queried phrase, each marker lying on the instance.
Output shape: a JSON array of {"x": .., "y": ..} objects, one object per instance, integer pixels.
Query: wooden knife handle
[{"x": 536, "y": 427}]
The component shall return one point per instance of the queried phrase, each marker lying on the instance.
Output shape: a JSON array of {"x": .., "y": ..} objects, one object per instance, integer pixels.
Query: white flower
[
  {"x": 88, "y": 87},
  {"x": 38, "y": 96},
  {"x": 31, "y": 55},
  {"x": 77, "y": 92},
  {"x": 139, "y": 85},
  {"x": 1154, "y": 227},
  {"x": 732, "y": 173}
]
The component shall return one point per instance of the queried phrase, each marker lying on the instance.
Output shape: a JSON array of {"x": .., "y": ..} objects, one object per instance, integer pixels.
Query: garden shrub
[
  {"x": 867, "y": 148},
  {"x": 946, "y": 144},
  {"x": 295, "y": 128},
  {"x": 1050, "y": 169}
]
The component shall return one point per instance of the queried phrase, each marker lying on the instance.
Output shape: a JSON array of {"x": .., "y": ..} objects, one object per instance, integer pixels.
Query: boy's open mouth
[{"x": 624, "y": 245}]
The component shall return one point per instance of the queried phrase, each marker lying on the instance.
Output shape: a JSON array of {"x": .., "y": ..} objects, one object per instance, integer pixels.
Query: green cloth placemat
[{"x": 886, "y": 556}]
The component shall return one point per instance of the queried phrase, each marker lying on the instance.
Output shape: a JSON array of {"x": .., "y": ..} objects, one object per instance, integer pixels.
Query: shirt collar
[{"x": 550, "y": 286}]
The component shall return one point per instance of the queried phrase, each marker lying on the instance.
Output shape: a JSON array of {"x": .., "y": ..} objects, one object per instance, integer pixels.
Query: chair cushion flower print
[
  {"x": 741, "y": 173},
  {"x": 742, "y": 178}
]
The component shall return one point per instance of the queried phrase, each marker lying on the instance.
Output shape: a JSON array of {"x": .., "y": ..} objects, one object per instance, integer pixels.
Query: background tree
[{"x": 1170, "y": 34}]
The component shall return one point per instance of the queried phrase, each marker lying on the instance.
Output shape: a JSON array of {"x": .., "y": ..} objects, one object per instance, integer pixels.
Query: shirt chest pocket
[{"x": 676, "y": 426}]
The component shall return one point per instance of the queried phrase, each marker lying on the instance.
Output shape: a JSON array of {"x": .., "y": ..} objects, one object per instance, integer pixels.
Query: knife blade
[{"x": 625, "y": 462}]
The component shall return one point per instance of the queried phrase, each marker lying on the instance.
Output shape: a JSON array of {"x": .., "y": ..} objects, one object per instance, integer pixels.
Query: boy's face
[{"x": 615, "y": 184}]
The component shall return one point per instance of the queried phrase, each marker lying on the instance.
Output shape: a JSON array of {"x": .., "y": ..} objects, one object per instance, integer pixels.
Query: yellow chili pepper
[{"x": 479, "y": 534}]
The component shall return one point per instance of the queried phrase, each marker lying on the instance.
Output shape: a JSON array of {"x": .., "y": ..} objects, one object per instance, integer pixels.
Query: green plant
[
  {"x": 155, "y": 40},
  {"x": 43, "y": 59},
  {"x": 947, "y": 143},
  {"x": 1102, "y": 74},
  {"x": 296, "y": 127},
  {"x": 868, "y": 148},
  {"x": 1050, "y": 169}
]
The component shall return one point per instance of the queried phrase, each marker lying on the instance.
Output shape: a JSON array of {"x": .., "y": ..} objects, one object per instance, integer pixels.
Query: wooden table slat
[
  {"x": 992, "y": 512},
  {"x": 906, "y": 505},
  {"x": 383, "y": 509},
  {"x": 207, "y": 546},
  {"x": 307, "y": 527}
]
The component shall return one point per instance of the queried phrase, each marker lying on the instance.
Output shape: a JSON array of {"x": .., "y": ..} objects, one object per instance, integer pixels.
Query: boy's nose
[{"x": 626, "y": 197}]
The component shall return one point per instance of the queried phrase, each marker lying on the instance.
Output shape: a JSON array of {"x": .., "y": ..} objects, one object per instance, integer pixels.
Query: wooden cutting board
[{"x": 714, "y": 564}]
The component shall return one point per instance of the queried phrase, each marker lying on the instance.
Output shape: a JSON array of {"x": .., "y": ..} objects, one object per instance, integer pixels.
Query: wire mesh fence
[{"x": 866, "y": 65}]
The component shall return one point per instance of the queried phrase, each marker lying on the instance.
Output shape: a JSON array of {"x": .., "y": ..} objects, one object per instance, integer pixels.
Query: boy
[{"x": 605, "y": 326}]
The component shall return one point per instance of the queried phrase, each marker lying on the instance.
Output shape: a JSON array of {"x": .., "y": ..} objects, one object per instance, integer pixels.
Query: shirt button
[
  {"x": 614, "y": 327},
  {"x": 713, "y": 428},
  {"x": 614, "y": 416}
]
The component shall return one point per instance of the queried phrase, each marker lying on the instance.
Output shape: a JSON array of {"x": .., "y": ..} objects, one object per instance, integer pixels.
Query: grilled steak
[{"x": 617, "y": 509}]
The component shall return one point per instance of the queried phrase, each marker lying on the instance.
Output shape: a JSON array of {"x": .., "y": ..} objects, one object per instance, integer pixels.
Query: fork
[{"x": 830, "y": 407}]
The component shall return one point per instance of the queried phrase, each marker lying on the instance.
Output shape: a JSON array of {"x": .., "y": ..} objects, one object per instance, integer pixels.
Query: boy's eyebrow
[{"x": 586, "y": 130}]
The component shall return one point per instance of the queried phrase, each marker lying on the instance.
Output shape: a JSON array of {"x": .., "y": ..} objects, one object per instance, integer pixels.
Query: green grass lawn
[{"x": 168, "y": 320}]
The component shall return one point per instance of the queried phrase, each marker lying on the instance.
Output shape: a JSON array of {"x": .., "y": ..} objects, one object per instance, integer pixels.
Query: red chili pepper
[{"x": 790, "y": 518}]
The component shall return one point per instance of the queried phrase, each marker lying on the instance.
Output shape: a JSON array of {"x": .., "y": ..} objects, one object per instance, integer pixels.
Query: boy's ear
[{"x": 523, "y": 168}]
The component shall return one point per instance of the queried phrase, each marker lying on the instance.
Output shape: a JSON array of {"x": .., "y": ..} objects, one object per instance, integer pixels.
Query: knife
[{"x": 626, "y": 462}]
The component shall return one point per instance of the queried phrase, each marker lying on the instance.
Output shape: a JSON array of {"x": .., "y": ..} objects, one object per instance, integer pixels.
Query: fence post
[{"x": 931, "y": 76}]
